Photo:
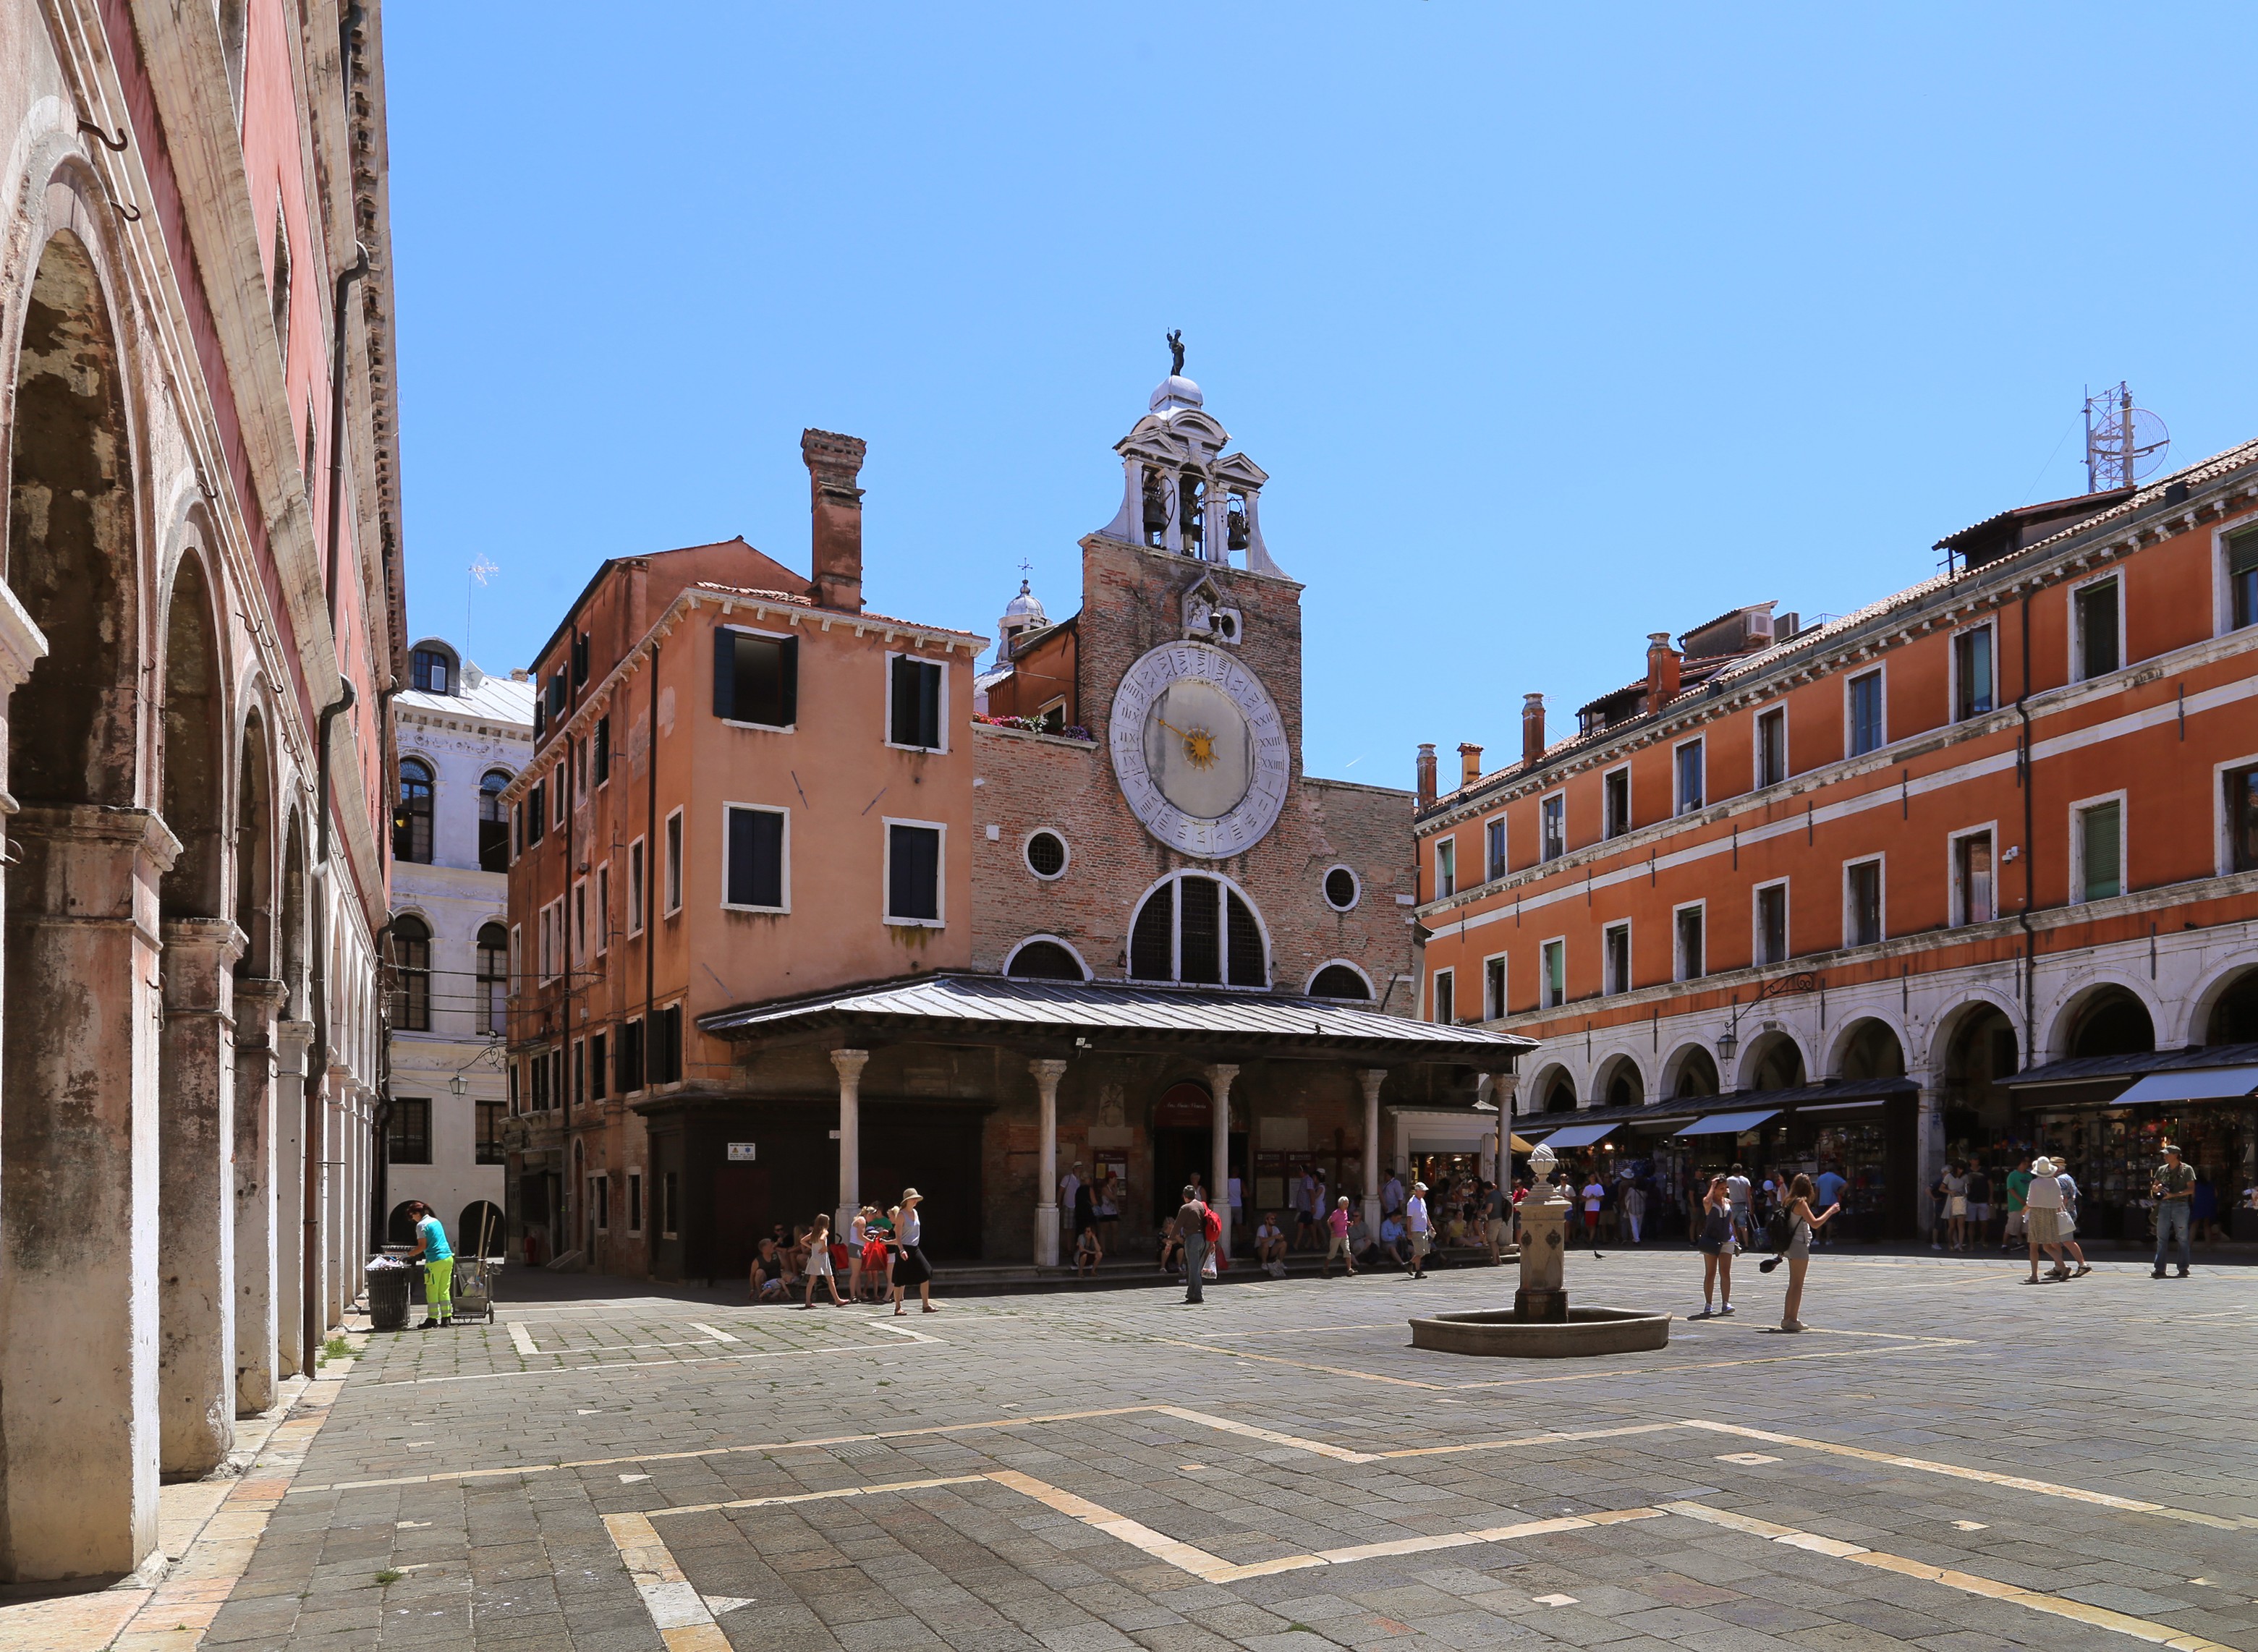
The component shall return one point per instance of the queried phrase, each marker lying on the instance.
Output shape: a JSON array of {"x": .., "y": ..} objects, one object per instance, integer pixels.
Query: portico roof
[{"x": 1111, "y": 1016}]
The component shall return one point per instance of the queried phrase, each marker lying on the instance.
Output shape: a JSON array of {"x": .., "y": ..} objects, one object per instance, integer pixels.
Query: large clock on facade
[{"x": 1199, "y": 750}]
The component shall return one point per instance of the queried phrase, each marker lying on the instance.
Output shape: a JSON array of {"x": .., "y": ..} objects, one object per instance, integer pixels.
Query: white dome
[
  {"x": 1026, "y": 607},
  {"x": 1176, "y": 391}
]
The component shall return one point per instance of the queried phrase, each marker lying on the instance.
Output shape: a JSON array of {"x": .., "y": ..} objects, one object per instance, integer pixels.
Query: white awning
[
  {"x": 2202, "y": 1084},
  {"x": 1729, "y": 1123},
  {"x": 1577, "y": 1135}
]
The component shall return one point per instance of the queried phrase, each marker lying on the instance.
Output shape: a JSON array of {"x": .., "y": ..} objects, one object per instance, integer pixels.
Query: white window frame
[
  {"x": 576, "y": 1074},
  {"x": 638, "y": 1201},
  {"x": 2222, "y": 594},
  {"x": 1955, "y": 883},
  {"x": 1755, "y": 923},
  {"x": 940, "y": 921},
  {"x": 1435, "y": 991},
  {"x": 1679, "y": 806},
  {"x": 886, "y": 716},
  {"x": 738, "y": 722},
  {"x": 1323, "y": 878},
  {"x": 580, "y": 763},
  {"x": 1066, "y": 848},
  {"x": 638, "y": 885},
  {"x": 1678, "y": 971},
  {"x": 1497, "y": 823},
  {"x": 725, "y": 903},
  {"x": 1881, "y": 900},
  {"x": 600, "y": 1200},
  {"x": 1774, "y": 708},
  {"x": 560, "y": 787},
  {"x": 603, "y": 907},
  {"x": 576, "y": 917},
  {"x": 2076, "y": 636},
  {"x": 1609, "y": 988},
  {"x": 2222, "y": 835},
  {"x": 1495, "y": 1009},
  {"x": 675, "y": 839},
  {"x": 1546, "y": 953},
  {"x": 2078, "y": 812},
  {"x": 1880, "y": 671},
  {"x": 1606, "y": 774},
  {"x": 1952, "y": 668},
  {"x": 1446, "y": 848},
  {"x": 1552, "y": 808},
  {"x": 517, "y": 963}
]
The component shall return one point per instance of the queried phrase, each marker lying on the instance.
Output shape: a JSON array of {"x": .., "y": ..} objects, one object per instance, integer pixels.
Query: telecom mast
[{"x": 2124, "y": 444}]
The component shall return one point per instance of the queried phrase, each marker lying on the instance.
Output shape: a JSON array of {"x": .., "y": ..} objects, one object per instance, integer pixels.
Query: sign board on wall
[{"x": 741, "y": 1153}]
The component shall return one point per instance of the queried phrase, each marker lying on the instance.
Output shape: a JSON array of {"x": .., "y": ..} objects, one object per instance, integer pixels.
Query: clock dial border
[{"x": 1249, "y": 821}]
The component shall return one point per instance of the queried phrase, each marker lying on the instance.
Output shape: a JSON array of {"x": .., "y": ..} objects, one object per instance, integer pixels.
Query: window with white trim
[
  {"x": 1862, "y": 902},
  {"x": 2096, "y": 628},
  {"x": 635, "y": 887},
  {"x": 756, "y": 850},
  {"x": 673, "y": 870},
  {"x": 1447, "y": 866},
  {"x": 916, "y": 691},
  {"x": 1493, "y": 833},
  {"x": 1862, "y": 710},
  {"x": 756, "y": 677},
  {"x": 1552, "y": 974},
  {"x": 1493, "y": 987},
  {"x": 1771, "y": 917},
  {"x": 913, "y": 877},
  {"x": 1552, "y": 826},
  {"x": 1200, "y": 931},
  {"x": 2098, "y": 848},
  {"x": 1693, "y": 781},
  {"x": 1689, "y": 924},
  {"x": 1444, "y": 998},
  {"x": 1615, "y": 957},
  {"x": 603, "y": 907},
  {"x": 1975, "y": 894},
  {"x": 1614, "y": 800},
  {"x": 1973, "y": 658},
  {"x": 1772, "y": 747}
]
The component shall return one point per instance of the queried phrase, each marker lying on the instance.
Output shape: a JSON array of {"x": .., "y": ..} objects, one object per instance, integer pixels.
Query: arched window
[
  {"x": 1560, "y": 1095},
  {"x": 411, "y": 952},
  {"x": 411, "y": 823},
  {"x": 1339, "y": 980},
  {"x": 494, "y": 821},
  {"x": 1199, "y": 931},
  {"x": 2114, "y": 1023},
  {"x": 431, "y": 667},
  {"x": 493, "y": 976},
  {"x": 1043, "y": 960}
]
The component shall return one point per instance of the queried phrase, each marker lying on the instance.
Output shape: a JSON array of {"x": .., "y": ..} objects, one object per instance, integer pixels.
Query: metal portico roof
[{"x": 995, "y": 1007}]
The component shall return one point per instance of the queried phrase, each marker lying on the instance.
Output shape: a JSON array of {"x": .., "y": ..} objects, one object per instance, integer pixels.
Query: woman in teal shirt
[{"x": 438, "y": 1260}]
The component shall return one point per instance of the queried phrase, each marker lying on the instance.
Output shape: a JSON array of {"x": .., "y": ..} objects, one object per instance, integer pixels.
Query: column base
[{"x": 1047, "y": 1235}]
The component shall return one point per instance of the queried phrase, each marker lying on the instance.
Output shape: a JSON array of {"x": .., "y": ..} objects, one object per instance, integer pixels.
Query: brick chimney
[
  {"x": 1469, "y": 764},
  {"x": 1661, "y": 670},
  {"x": 834, "y": 462},
  {"x": 1532, "y": 730},
  {"x": 1426, "y": 777}
]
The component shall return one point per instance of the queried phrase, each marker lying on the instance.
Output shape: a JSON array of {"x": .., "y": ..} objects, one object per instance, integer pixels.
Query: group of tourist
[
  {"x": 2037, "y": 1211},
  {"x": 880, "y": 1256}
]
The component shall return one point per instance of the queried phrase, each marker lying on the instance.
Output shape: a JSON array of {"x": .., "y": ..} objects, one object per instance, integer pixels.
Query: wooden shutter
[{"x": 725, "y": 673}]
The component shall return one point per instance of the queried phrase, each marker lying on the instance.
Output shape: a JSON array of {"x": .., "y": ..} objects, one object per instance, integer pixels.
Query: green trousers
[{"x": 439, "y": 1289}]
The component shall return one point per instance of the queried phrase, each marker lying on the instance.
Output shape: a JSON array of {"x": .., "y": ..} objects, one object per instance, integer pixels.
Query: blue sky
[{"x": 1552, "y": 327}]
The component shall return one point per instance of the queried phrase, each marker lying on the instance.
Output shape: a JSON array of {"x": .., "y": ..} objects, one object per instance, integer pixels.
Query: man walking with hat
[
  {"x": 2174, "y": 1191},
  {"x": 2041, "y": 1216},
  {"x": 1415, "y": 1221}
]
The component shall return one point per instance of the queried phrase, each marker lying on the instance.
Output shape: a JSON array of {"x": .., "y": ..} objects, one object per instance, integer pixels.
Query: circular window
[
  {"x": 1046, "y": 854},
  {"x": 1341, "y": 889}
]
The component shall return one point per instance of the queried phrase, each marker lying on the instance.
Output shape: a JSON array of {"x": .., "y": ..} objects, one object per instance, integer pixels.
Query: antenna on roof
[{"x": 2124, "y": 444}]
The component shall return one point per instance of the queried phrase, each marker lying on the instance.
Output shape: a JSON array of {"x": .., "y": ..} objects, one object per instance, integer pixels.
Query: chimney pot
[
  {"x": 1662, "y": 670},
  {"x": 1469, "y": 764},
  {"x": 833, "y": 462},
  {"x": 1426, "y": 777},
  {"x": 1532, "y": 730}
]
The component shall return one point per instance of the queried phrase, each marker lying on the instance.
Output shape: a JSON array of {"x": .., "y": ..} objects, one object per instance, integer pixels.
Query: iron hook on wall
[
  {"x": 132, "y": 215},
  {"x": 115, "y": 145}
]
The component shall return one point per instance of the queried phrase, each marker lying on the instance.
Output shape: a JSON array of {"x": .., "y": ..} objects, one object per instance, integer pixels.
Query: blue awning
[
  {"x": 2199, "y": 1084},
  {"x": 1729, "y": 1123},
  {"x": 1577, "y": 1136}
]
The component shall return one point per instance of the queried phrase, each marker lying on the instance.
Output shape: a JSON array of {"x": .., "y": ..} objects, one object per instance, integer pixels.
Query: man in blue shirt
[
  {"x": 1831, "y": 1186},
  {"x": 438, "y": 1259}
]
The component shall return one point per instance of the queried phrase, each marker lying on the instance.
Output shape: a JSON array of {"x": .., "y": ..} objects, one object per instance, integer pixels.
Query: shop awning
[
  {"x": 1522, "y": 1146},
  {"x": 1728, "y": 1124},
  {"x": 2204, "y": 1084},
  {"x": 1577, "y": 1136}
]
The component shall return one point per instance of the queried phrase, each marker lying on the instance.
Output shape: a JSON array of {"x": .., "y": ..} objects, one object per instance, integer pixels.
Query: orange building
[
  {"x": 721, "y": 744},
  {"x": 1970, "y": 870}
]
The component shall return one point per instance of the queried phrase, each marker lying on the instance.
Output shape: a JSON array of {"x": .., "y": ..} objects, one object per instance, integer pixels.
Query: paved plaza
[{"x": 1946, "y": 1458}]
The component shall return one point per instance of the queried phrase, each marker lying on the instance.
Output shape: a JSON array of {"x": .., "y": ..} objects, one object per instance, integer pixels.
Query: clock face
[{"x": 1199, "y": 749}]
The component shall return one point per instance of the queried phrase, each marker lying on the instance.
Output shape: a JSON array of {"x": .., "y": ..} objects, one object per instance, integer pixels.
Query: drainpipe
[
  {"x": 338, "y": 419},
  {"x": 2030, "y": 875},
  {"x": 650, "y": 866},
  {"x": 317, "y": 1074}
]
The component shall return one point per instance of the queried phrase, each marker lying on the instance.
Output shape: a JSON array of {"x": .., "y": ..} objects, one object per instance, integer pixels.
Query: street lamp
[
  {"x": 460, "y": 1085},
  {"x": 1728, "y": 1041}
]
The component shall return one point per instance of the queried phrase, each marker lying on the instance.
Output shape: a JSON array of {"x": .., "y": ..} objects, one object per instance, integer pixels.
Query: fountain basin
[{"x": 1586, "y": 1331}]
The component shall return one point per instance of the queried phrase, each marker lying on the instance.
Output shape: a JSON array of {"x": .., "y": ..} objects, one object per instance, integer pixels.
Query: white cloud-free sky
[{"x": 1553, "y": 326}]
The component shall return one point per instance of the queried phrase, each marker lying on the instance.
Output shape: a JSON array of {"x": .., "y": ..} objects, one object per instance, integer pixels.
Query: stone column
[
  {"x": 1928, "y": 1154},
  {"x": 1219, "y": 1075},
  {"x": 291, "y": 1038},
  {"x": 79, "y": 1235},
  {"x": 1371, "y": 1077},
  {"x": 850, "y": 1065},
  {"x": 337, "y": 1193},
  {"x": 1047, "y": 1074},
  {"x": 256, "y": 1003},
  {"x": 195, "y": 1192}
]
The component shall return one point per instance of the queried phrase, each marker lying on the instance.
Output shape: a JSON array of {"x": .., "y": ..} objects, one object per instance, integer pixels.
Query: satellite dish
[{"x": 2125, "y": 445}]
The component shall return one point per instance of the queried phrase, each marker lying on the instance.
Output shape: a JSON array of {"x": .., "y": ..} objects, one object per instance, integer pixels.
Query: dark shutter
[
  {"x": 630, "y": 1057},
  {"x": 1199, "y": 952},
  {"x": 916, "y": 713},
  {"x": 579, "y": 659},
  {"x": 787, "y": 709},
  {"x": 725, "y": 673},
  {"x": 756, "y": 858},
  {"x": 603, "y": 748},
  {"x": 913, "y": 887}
]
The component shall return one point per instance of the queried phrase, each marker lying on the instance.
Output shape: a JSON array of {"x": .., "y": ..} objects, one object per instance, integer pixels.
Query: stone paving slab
[{"x": 480, "y": 1465}]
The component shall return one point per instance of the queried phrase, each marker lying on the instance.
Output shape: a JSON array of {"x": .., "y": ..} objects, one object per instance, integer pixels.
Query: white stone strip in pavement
[
  {"x": 814, "y": 1497},
  {"x": 676, "y": 1612},
  {"x": 1988, "y": 1477},
  {"x": 1340, "y": 1454},
  {"x": 523, "y": 1338},
  {"x": 1561, "y": 1435},
  {"x": 714, "y": 1334},
  {"x": 1968, "y": 1583}
]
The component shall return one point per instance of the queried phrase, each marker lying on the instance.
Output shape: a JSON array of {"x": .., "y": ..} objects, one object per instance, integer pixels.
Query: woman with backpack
[
  {"x": 1800, "y": 1223},
  {"x": 1713, "y": 1231}
]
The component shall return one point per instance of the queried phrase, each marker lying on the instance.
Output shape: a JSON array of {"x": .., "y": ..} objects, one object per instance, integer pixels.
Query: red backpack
[{"x": 1211, "y": 1226}]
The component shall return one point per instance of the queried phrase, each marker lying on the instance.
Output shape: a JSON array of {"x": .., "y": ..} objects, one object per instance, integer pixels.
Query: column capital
[
  {"x": 21, "y": 643},
  {"x": 1047, "y": 1071},
  {"x": 1372, "y": 1078},
  {"x": 849, "y": 1063},
  {"x": 1222, "y": 1073}
]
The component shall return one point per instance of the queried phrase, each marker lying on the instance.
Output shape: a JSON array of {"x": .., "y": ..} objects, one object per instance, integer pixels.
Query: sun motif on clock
[{"x": 1199, "y": 749}]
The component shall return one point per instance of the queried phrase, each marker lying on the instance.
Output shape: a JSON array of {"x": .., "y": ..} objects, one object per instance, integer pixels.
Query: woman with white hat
[
  {"x": 2042, "y": 1220},
  {"x": 910, "y": 1265}
]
